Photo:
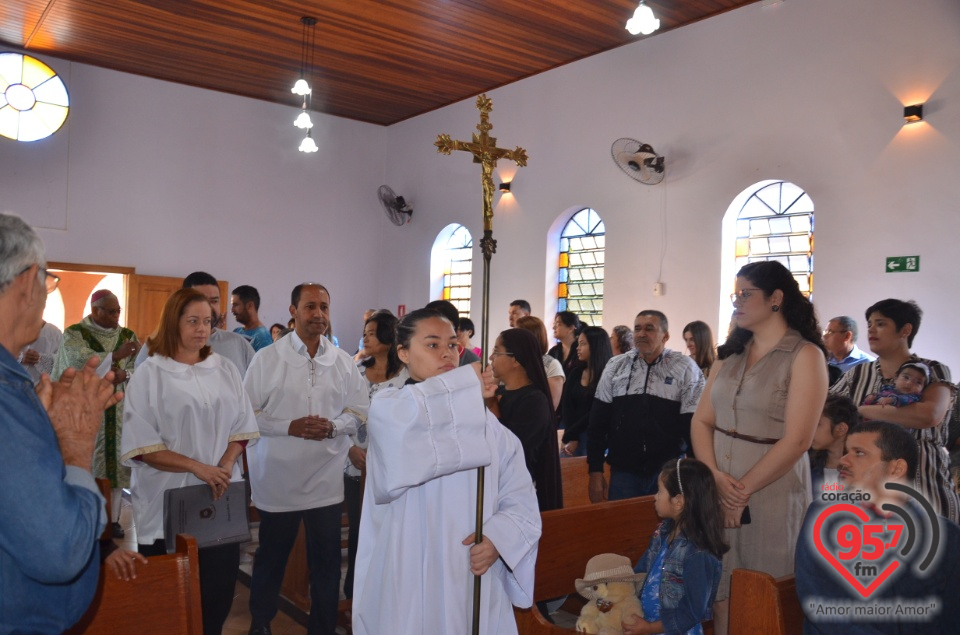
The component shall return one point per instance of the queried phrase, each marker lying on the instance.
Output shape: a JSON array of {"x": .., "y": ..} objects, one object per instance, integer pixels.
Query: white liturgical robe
[
  {"x": 191, "y": 409},
  {"x": 412, "y": 573},
  {"x": 289, "y": 473}
]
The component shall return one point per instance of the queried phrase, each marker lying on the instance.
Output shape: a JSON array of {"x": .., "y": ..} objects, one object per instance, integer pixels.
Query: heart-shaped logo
[{"x": 865, "y": 591}]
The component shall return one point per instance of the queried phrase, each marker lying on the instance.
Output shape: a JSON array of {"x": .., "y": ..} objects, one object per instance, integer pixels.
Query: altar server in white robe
[
  {"x": 417, "y": 557},
  {"x": 309, "y": 399},
  {"x": 186, "y": 422}
]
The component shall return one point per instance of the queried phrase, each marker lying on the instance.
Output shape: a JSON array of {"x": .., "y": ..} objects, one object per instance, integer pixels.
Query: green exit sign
[{"x": 896, "y": 264}]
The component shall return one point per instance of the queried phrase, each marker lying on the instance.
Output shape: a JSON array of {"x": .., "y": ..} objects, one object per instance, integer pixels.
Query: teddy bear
[{"x": 611, "y": 586}]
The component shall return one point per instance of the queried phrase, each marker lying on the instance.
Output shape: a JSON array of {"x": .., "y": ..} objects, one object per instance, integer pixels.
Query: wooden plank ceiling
[{"x": 379, "y": 61}]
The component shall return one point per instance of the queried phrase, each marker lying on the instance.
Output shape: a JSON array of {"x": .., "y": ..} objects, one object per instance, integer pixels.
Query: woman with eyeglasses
[
  {"x": 756, "y": 421},
  {"x": 523, "y": 406},
  {"x": 187, "y": 420}
]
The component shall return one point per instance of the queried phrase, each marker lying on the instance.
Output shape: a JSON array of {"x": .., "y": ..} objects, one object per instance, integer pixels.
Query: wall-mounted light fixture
[
  {"x": 505, "y": 187},
  {"x": 913, "y": 114}
]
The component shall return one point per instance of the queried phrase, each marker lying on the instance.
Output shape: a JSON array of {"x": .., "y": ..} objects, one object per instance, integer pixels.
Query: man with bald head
[
  {"x": 100, "y": 334},
  {"x": 309, "y": 397}
]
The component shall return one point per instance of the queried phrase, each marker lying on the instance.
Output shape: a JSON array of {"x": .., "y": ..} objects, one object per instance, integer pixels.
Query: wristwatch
[{"x": 333, "y": 431}]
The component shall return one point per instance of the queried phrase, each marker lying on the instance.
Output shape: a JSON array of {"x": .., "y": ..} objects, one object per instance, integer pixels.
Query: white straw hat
[{"x": 607, "y": 567}]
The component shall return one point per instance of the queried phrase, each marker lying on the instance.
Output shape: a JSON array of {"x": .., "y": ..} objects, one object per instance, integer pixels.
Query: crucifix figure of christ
[{"x": 484, "y": 149}]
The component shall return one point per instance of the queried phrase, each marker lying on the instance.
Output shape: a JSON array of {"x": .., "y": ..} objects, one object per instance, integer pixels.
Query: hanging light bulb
[
  {"x": 642, "y": 21},
  {"x": 308, "y": 145},
  {"x": 303, "y": 121},
  {"x": 301, "y": 87}
]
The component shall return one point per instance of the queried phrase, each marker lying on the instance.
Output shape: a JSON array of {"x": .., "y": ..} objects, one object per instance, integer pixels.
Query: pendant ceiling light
[
  {"x": 302, "y": 86},
  {"x": 642, "y": 21}
]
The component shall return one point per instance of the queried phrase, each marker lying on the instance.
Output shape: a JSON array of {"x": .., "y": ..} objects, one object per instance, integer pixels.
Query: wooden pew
[
  {"x": 576, "y": 481},
  {"x": 164, "y": 599},
  {"x": 571, "y": 537},
  {"x": 763, "y": 605}
]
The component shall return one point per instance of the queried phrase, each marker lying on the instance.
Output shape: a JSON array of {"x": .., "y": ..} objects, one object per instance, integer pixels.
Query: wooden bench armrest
[
  {"x": 760, "y": 603},
  {"x": 164, "y": 598}
]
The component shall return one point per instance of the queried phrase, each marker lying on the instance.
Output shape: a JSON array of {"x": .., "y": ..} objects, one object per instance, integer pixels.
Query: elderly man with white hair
[
  {"x": 51, "y": 508},
  {"x": 100, "y": 334}
]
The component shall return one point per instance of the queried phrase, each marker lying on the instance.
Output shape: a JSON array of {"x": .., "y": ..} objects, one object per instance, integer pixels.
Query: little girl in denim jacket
[{"x": 682, "y": 562}]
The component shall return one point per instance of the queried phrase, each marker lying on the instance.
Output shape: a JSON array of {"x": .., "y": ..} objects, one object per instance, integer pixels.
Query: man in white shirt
[
  {"x": 308, "y": 397},
  {"x": 233, "y": 346}
]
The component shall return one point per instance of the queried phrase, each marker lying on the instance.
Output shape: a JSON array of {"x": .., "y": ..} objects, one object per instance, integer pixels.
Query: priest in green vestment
[{"x": 100, "y": 334}]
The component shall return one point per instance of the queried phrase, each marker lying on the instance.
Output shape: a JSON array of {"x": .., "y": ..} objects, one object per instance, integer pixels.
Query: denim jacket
[
  {"x": 689, "y": 582},
  {"x": 50, "y": 517}
]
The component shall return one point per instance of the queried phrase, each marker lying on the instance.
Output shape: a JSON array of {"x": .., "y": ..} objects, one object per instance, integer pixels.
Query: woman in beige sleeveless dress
[{"x": 756, "y": 421}]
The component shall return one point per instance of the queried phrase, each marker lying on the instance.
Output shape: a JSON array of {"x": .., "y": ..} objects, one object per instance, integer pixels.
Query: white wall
[
  {"x": 171, "y": 179},
  {"x": 811, "y": 91}
]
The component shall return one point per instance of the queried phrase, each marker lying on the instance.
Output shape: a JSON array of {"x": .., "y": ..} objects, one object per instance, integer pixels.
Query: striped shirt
[{"x": 933, "y": 475}]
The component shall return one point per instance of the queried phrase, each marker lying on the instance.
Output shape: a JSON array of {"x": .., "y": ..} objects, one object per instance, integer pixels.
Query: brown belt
[{"x": 746, "y": 437}]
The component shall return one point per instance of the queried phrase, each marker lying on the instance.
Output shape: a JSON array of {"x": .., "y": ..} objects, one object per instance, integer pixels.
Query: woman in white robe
[
  {"x": 186, "y": 422},
  {"x": 417, "y": 558}
]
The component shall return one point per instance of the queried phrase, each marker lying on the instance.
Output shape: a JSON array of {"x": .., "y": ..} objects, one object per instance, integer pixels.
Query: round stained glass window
[{"x": 33, "y": 99}]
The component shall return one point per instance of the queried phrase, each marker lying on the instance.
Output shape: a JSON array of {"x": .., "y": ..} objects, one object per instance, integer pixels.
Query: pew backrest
[
  {"x": 572, "y": 536},
  {"x": 763, "y": 605},
  {"x": 576, "y": 481},
  {"x": 164, "y": 598}
]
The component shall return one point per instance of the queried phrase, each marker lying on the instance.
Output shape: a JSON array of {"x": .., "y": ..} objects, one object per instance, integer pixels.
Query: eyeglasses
[
  {"x": 50, "y": 281},
  {"x": 742, "y": 295},
  {"x": 496, "y": 353},
  {"x": 829, "y": 332}
]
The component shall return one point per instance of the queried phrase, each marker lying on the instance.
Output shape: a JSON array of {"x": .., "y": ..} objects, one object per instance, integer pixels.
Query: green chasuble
[{"x": 81, "y": 342}]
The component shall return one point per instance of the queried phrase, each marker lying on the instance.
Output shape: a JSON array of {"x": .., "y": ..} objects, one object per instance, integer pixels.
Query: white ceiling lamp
[
  {"x": 302, "y": 87},
  {"x": 303, "y": 121},
  {"x": 642, "y": 21},
  {"x": 308, "y": 145}
]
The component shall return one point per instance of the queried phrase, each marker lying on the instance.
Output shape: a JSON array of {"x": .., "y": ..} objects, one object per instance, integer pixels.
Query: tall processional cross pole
[{"x": 484, "y": 149}]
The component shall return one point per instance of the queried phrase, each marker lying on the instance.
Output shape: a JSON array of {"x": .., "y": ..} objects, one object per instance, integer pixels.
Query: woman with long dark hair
[
  {"x": 382, "y": 369},
  {"x": 756, "y": 421},
  {"x": 699, "y": 340},
  {"x": 593, "y": 350},
  {"x": 525, "y": 409},
  {"x": 566, "y": 327}
]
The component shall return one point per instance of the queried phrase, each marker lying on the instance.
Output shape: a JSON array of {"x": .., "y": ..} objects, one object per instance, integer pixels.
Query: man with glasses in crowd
[
  {"x": 51, "y": 507},
  {"x": 100, "y": 334},
  {"x": 840, "y": 340}
]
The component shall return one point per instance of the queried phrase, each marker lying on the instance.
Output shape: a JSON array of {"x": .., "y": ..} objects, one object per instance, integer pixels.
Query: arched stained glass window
[
  {"x": 776, "y": 223},
  {"x": 458, "y": 270},
  {"x": 33, "y": 99},
  {"x": 580, "y": 283}
]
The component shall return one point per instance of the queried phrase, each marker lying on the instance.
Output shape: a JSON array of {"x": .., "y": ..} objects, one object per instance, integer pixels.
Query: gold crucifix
[
  {"x": 485, "y": 152},
  {"x": 484, "y": 149}
]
